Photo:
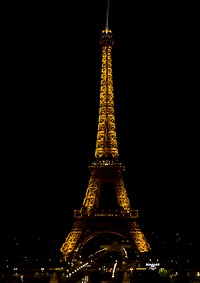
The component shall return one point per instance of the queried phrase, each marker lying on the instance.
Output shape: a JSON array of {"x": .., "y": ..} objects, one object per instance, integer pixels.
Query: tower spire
[
  {"x": 107, "y": 14},
  {"x": 106, "y": 143}
]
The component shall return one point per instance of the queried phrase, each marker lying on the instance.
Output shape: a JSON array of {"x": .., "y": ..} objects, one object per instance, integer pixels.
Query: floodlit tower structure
[{"x": 106, "y": 175}]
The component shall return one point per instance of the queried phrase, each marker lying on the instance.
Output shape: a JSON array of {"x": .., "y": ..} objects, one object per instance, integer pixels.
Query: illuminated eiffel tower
[{"x": 106, "y": 176}]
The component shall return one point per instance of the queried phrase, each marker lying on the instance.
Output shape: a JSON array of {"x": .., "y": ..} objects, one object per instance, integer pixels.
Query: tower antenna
[{"x": 107, "y": 14}]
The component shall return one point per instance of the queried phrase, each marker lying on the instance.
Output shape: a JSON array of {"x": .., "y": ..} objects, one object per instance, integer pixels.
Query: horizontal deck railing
[{"x": 106, "y": 213}]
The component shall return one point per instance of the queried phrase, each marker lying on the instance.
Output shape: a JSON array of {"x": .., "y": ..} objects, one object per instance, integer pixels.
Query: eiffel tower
[{"x": 106, "y": 175}]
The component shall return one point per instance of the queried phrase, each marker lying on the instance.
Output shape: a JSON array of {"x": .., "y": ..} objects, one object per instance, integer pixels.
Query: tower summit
[
  {"x": 106, "y": 208},
  {"x": 106, "y": 144}
]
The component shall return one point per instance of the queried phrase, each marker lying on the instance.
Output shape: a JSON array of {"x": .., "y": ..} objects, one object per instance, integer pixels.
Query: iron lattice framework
[
  {"x": 106, "y": 145},
  {"x": 106, "y": 172}
]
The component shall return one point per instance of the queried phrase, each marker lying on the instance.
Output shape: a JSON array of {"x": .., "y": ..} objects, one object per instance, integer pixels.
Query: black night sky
[{"x": 49, "y": 111}]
